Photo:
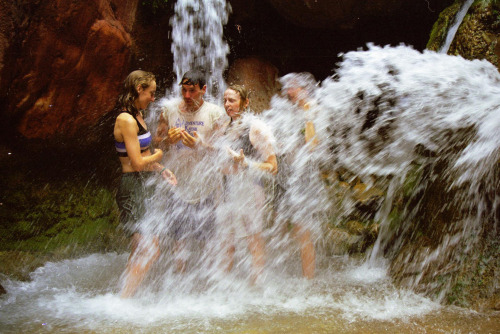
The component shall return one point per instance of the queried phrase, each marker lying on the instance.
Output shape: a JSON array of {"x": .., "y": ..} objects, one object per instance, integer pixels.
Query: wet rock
[
  {"x": 19, "y": 265},
  {"x": 340, "y": 242},
  {"x": 68, "y": 67},
  {"x": 355, "y": 227},
  {"x": 259, "y": 76},
  {"x": 366, "y": 194},
  {"x": 2, "y": 290},
  {"x": 478, "y": 35},
  {"x": 496, "y": 306}
]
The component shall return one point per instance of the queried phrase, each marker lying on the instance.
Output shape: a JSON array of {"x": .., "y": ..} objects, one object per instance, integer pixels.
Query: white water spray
[
  {"x": 388, "y": 111},
  {"x": 381, "y": 111}
]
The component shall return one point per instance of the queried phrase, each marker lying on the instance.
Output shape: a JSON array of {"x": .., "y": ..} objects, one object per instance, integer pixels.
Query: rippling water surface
[{"x": 80, "y": 296}]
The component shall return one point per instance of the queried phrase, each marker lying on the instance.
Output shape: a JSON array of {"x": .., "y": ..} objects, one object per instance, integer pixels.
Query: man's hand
[
  {"x": 188, "y": 140},
  {"x": 238, "y": 158},
  {"x": 174, "y": 135}
]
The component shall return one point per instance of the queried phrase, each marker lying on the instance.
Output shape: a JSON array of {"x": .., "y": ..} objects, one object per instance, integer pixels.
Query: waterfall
[
  {"x": 197, "y": 41},
  {"x": 423, "y": 127},
  {"x": 456, "y": 24},
  {"x": 395, "y": 114}
]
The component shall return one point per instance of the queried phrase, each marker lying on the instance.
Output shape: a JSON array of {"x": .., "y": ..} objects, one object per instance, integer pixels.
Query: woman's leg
[
  {"x": 307, "y": 252},
  {"x": 256, "y": 247},
  {"x": 145, "y": 252}
]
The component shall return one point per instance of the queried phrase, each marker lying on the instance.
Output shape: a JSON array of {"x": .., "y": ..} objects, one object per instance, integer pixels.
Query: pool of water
[{"x": 347, "y": 296}]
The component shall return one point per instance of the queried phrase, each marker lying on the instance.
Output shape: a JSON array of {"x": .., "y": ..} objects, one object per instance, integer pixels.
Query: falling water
[
  {"x": 454, "y": 27},
  {"x": 197, "y": 41}
]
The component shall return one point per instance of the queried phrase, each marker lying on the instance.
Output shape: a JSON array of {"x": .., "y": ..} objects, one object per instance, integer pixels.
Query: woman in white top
[{"x": 249, "y": 143}]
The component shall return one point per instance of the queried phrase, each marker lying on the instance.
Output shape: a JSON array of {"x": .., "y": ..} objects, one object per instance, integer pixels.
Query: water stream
[
  {"x": 197, "y": 41},
  {"x": 454, "y": 27},
  {"x": 373, "y": 116}
]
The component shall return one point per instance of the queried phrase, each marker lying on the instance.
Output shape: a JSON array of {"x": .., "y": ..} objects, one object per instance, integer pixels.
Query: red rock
[
  {"x": 259, "y": 76},
  {"x": 71, "y": 62}
]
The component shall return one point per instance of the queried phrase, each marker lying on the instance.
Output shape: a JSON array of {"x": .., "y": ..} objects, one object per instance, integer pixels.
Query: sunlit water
[{"x": 80, "y": 296}]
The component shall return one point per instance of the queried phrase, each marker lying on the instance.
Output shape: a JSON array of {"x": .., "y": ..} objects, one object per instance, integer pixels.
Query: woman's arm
[
  {"x": 128, "y": 129},
  {"x": 310, "y": 134},
  {"x": 262, "y": 139}
]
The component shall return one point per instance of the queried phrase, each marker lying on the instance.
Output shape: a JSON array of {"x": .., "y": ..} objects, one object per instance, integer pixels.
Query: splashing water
[
  {"x": 389, "y": 112},
  {"x": 385, "y": 111}
]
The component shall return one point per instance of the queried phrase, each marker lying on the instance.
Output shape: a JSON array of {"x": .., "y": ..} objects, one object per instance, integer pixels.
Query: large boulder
[
  {"x": 64, "y": 71},
  {"x": 259, "y": 76},
  {"x": 477, "y": 36}
]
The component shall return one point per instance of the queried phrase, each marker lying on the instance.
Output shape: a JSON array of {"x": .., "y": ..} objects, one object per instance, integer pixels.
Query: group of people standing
[{"x": 227, "y": 203}]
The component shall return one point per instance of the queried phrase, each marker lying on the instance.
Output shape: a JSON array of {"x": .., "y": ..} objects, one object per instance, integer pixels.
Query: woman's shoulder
[
  {"x": 125, "y": 118},
  {"x": 260, "y": 129},
  {"x": 254, "y": 122},
  {"x": 124, "y": 115}
]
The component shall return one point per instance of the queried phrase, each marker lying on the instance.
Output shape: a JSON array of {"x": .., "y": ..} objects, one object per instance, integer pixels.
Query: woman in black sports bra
[{"x": 132, "y": 140}]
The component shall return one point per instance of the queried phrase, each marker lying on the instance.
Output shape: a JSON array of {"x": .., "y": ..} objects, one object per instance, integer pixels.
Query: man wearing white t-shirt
[{"x": 184, "y": 127}]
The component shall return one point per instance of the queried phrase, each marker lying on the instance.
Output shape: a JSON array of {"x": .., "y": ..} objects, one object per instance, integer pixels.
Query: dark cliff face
[{"x": 309, "y": 35}]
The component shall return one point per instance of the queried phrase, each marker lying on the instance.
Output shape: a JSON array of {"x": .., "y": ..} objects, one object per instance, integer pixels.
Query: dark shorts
[
  {"x": 192, "y": 220},
  {"x": 131, "y": 199}
]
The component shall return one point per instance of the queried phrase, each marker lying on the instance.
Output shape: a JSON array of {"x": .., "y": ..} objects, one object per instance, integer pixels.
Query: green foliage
[
  {"x": 38, "y": 216},
  {"x": 458, "y": 295},
  {"x": 155, "y": 5}
]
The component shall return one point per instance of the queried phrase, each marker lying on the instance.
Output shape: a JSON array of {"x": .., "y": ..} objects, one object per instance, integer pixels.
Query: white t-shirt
[
  {"x": 193, "y": 168},
  {"x": 241, "y": 212}
]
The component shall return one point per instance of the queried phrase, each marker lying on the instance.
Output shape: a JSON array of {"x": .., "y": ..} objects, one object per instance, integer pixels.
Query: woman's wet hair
[
  {"x": 194, "y": 77},
  {"x": 244, "y": 93},
  {"x": 129, "y": 92}
]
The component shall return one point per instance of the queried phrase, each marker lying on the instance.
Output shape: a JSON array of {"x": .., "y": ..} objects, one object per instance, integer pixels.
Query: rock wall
[
  {"x": 259, "y": 76},
  {"x": 345, "y": 14},
  {"x": 478, "y": 34},
  {"x": 61, "y": 62},
  {"x": 64, "y": 63}
]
